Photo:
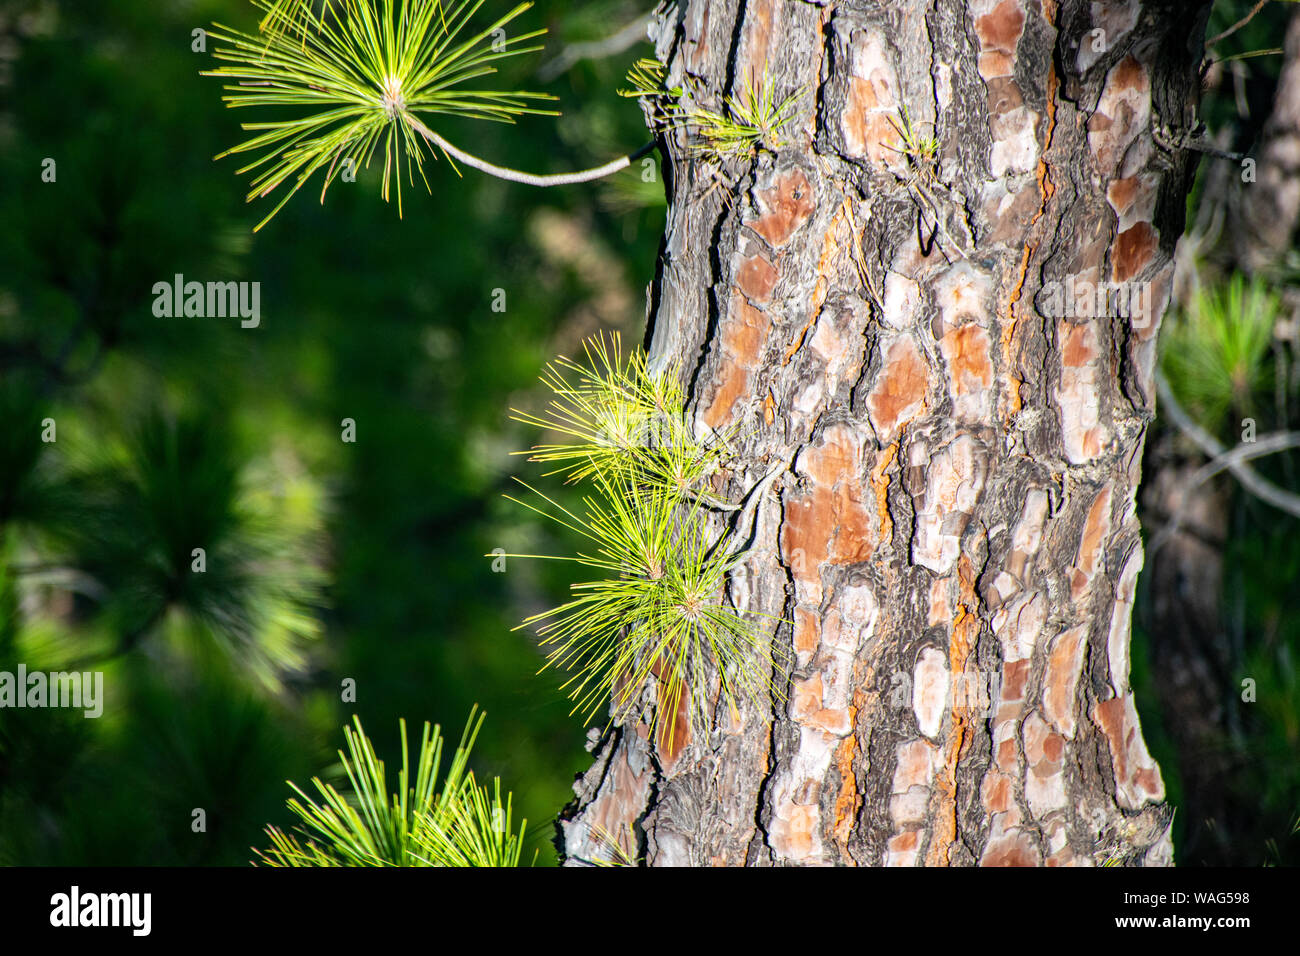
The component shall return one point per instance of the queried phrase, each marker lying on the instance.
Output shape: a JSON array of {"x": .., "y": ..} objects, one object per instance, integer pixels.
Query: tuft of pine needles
[
  {"x": 1214, "y": 350},
  {"x": 653, "y": 609},
  {"x": 920, "y": 151},
  {"x": 753, "y": 118},
  {"x": 358, "y": 78},
  {"x": 613, "y": 416},
  {"x": 459, "y": 823},
  {"x": 284, "y": 14},
  {"x": 645, "y": 79}
]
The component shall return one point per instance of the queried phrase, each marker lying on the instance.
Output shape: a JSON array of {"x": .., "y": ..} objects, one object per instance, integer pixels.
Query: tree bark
[{"x": 952, "y": 542}]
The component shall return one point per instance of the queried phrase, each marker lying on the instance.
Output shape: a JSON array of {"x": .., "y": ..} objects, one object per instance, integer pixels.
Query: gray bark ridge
[{"x": 953, "y": 548}]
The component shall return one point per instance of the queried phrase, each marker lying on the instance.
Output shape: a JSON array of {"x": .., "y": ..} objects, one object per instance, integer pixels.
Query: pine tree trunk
[{"x": 953, "y": 544}]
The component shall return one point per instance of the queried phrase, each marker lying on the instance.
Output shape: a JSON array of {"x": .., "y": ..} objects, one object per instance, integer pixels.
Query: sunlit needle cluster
[
  {"x": 655, "y": 607},
  {"x": 361, "y": 77}
]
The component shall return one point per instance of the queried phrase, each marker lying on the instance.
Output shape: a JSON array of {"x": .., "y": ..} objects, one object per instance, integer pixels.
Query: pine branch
[
  {"x": 366, "y": 76},
  {"x": 529, "y": 179}
]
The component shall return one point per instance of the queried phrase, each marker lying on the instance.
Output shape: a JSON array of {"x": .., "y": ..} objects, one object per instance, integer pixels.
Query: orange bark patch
[
  {"x": 970, "y": 371},
  {"x": 1135, "y": 247},
  {"x": 998, "y": 797},
  {"x": 899, "y": 391},
  {"x": 1122, "y": 112},
  {"x": 1001, "y": 28},
  {"x": 831, "y": 523},
  {"x": 1079, "y": 347},
  {"x": 1064, "y": 666},
  {"x": 880, "y": 482},
  {"x": 756, "y": 278},
  {"x": 1109, "y": 715},
  {"x": 1035, "y": 734},
  {"x": 1122, "y": 192},
  {"x": 1015, "y": 677},
  {"x": 805, "y": 540},
  {"x": 1099, "y": 123},
  {"x": 792, "y": 833},
  {"x": 940, "y": 612},
  {"x": 1062, "y": 857},
  {"x": 743, "y": 333},
  {"x": 1053, "y": 747},
  {"x": 807, "y": 631},
  {"x": 837, "y": 456},
  {"x": 758, "y": 35},
  {"x": 1007, "y": 755},
  {"x": 674, "y": 723},
  {"x": 1137, "y": 779},
  {"x": 1046, "y": 190},
  {"x": 965, "y": 632},
  {"x": 864, "y": 97},
  {"x": 848, "y": 800},
  {"x": 1079, "y": 393},
  {"x": 1096, "y": 528},
  {"x": 1011, "y": 850},
  {"x": 785, "y": 206},
  {"x": 903, "y": 842},
  {"x": 1148, "y": 780},
  {"x": 807, "y": 697},
  {"x": 734, "y": 383},
  {"x": 1128, "y": 75},
  {"x": 915, "y": 765},
  {"x": 1003, "y": 96},
  {"x": 870, "y": 108},
  {"x": 995, "y": 63},
  {"x": 825, "y": 263},
  {"x": 1161, "y": 291}
]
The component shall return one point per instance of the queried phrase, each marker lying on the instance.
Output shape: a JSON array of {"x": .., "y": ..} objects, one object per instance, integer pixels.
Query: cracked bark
[{"x": 953, "y": 547}]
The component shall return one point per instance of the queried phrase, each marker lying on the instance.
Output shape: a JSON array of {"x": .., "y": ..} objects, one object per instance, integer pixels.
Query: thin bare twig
[
  {"x": 1238, "y": 25},
  {"x": 574, "y": 53},
  {"x": 528, "y": 179},
  {"x": 1223, "y": 459}
]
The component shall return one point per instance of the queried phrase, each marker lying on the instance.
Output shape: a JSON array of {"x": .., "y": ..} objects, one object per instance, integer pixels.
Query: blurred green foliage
[
  {"x": 325, "y": 560},
  {"x": 1214, "y": 350}
]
